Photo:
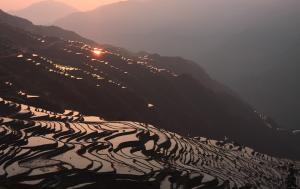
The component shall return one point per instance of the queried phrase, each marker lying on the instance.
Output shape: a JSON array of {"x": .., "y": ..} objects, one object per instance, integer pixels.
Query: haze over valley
[{"x": 247, "y": 45}]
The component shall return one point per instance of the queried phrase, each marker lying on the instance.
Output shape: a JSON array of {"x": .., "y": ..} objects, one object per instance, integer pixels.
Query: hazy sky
[{"x": 79, "y": 4}]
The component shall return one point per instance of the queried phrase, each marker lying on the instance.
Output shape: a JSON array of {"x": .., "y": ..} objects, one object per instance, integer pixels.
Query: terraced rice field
[
  {"x": 52, "y": 92},
  {"x": 110, "y": 82},
  {"x": 44, "y": 149}
]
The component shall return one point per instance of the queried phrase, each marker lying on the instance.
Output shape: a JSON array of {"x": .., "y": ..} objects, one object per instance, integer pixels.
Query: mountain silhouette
[
  {"x": 240, "y": 43},
  {"x": 45, "y": 12},
  {"x": 51, "y": 31}
]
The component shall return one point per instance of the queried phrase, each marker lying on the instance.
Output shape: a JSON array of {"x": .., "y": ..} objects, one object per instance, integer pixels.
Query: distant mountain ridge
[{"x": 45, "y": 12}]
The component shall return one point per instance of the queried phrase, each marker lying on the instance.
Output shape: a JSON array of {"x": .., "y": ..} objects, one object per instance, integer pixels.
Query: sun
[{"x": 97, "y": 52}]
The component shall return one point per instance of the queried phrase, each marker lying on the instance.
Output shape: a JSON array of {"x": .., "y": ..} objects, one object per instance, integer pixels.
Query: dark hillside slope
[
  {"x": 251, "y": 46},
  {"x": 117, "y": 85}
]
